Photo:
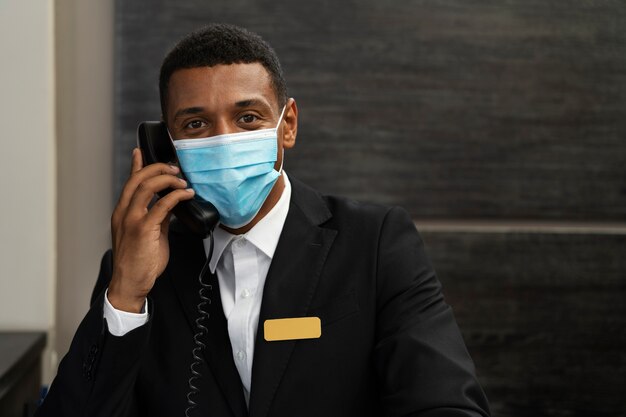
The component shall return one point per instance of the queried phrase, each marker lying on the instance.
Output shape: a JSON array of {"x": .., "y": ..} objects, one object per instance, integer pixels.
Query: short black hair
[{"x": 217, "y": 44}]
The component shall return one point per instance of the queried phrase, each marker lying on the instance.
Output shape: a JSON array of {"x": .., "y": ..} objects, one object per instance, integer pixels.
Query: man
[{"x": 386, "y": 344}]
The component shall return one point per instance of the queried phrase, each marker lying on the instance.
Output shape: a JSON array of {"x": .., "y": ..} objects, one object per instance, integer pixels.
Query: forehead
[{"x": 218, "y": 86}]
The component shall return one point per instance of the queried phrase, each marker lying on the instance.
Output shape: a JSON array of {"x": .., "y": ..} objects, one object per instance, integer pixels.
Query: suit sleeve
[
  {"x": 421, "y": 361},
  {"x": 97, "y": 376}
]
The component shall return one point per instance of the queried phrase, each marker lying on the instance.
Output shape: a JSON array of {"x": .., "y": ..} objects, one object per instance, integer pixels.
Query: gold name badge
[{"x": 292, "y": 329}]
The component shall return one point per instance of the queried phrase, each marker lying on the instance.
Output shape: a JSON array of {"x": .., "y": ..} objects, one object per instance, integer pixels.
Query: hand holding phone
[{"x": 139, "y": 232}]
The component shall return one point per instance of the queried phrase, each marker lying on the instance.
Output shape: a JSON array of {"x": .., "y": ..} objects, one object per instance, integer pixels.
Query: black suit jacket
[{"x": 389, "y": 346}]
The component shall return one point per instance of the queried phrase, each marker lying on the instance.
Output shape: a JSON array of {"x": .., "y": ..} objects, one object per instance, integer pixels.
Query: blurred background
[{"x": 499, "y": 125}]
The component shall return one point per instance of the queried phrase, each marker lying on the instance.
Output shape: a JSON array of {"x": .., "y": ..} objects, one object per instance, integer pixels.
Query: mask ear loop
[
  {"x": 282, "y": 160},
  {"x": 280, "y": 119},
  {"x": 170, "y": 136}
]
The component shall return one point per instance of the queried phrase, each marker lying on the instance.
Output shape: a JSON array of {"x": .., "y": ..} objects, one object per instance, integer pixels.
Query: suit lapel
[
  {"x": 289, "y": 288},
  {"x": 186, "y": 260}
]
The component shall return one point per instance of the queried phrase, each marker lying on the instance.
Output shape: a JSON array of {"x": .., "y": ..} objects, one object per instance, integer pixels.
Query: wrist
[{"x": 125, "y": 300}]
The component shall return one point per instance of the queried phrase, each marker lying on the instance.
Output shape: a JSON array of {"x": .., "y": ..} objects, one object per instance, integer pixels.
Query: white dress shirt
[{"x": 241, "y": 262}]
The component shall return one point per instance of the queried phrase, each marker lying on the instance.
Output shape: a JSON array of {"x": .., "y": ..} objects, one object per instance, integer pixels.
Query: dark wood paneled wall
[
  {"x": 462, "y": 112},
  {"x": 449, "y": 108},
  {"x": 542, "y": 313}
]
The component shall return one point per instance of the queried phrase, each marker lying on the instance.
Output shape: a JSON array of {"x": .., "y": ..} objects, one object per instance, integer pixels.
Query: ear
[{"x": 290, "y": 124}]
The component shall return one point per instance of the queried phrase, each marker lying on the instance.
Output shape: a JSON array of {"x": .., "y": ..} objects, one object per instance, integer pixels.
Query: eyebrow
[
  {"x": 251, "y": 102},
  {"x": 189, "y": 110},
  {"x": 240, "y": 104}
]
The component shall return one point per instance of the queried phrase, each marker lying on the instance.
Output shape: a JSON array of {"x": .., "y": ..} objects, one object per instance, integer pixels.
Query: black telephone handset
[{"x": 199, "y": 216}]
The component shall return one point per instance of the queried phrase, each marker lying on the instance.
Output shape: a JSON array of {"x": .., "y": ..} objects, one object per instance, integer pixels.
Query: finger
[
  {"x": 137, "y": 161},
  {"x": 136, "y": 164},
  {"x": 164, "y": 206},
  {"x": 146, "y": 190},
  {"x": 138, "y": 177}
]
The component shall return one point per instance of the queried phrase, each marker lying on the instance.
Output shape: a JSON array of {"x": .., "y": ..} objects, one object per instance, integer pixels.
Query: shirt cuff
[{"x": 121, "y": 322}]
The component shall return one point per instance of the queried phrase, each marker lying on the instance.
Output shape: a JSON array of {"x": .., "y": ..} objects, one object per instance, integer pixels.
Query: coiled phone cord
[{"x": 203, "y": 315}]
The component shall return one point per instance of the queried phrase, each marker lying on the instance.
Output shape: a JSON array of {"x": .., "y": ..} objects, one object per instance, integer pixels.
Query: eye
[
  {"x": 248, "y": 118},
  {"x": 195, "y": 124}
]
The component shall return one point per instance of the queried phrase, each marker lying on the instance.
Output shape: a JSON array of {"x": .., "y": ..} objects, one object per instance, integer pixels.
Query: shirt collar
[{"x": 264, "y": 235}]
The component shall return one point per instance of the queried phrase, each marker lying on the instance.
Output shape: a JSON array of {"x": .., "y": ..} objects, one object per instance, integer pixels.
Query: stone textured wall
[{"x": 500, "y": 126}]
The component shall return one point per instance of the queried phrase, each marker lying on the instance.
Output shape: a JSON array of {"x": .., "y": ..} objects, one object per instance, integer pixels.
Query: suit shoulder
[
  {"x": 341, "y": 206},
  {"x": 365, "y": 218},
  {"x": 343, "y": 211}
]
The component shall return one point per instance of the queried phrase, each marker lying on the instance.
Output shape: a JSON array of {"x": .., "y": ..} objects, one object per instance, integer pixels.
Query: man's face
[{"x": 210, "y": 101}]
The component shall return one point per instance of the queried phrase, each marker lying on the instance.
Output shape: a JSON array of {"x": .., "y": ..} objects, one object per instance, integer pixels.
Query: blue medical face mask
[{"x": 235, "y": 171}]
